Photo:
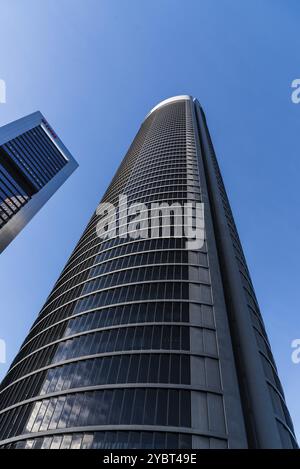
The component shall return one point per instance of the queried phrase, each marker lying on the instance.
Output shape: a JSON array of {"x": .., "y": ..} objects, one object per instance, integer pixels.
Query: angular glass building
[
  {"x": 142, "y": 342},
  {"x": 34, "y": 163}
]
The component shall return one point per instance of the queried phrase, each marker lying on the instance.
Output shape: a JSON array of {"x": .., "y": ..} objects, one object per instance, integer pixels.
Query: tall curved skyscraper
[{"x": 148, "y": 342}]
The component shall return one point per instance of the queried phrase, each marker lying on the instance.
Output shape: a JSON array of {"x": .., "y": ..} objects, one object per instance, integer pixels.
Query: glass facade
[
  {"x": 31, "y": 156},
  {"x": 134, "y": 347}
]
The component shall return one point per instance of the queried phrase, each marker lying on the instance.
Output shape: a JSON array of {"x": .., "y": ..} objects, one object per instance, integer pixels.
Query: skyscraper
[
  {"x": 34, "y": 163},
  {"x": 145, "y": 342}
]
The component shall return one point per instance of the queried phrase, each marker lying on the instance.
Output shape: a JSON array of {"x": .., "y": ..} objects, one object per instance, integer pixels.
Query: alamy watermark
[
  {"x": 152, "y": 220},
  {"x": 2, "y": 351},
  {"x": 296, "y": 352},
  {"x": 295, "y": 96},
  {"x": 2, "y": 91}
]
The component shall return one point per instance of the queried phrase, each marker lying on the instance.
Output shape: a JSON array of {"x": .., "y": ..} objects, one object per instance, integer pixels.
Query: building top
[{"x": 183, "y": 97}]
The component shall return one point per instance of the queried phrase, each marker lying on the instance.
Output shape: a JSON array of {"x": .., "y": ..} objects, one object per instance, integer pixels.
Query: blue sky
[{"x": 96, "y": 67}]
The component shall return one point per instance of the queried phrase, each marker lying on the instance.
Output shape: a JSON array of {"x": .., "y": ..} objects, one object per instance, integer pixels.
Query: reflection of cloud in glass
[
  {"x": 33, "y": 416},
  {"x": 76, "y": 441},
  {"x": 56, "y": 442}
]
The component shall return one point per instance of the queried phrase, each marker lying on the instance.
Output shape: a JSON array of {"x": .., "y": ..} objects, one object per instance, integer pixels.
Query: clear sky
[{"x": 96, "y": 67}]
